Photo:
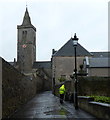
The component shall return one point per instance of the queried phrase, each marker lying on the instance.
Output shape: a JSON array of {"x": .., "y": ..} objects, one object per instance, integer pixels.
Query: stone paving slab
[{"x": 47, "y": 106}]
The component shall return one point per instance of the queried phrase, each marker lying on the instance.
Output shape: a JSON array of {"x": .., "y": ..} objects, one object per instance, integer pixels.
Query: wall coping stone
[
  {"x": 102, "y": 104},
  {"x": 100, "y": 110},
  {"x": 87, "y": 98}
]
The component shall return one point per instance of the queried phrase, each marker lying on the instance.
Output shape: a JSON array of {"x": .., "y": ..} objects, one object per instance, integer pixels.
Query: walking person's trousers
[{"x": 61, "y": 98}]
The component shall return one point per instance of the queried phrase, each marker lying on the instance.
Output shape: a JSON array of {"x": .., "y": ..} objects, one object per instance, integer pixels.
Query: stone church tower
[{"x": 26, "y": 45}]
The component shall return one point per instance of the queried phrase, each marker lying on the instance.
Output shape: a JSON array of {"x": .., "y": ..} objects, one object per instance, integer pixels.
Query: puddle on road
[{"x": 61, "y": 111}]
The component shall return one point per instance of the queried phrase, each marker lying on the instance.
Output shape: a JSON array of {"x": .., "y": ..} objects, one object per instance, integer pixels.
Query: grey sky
[{"x": 55, "y": 21}]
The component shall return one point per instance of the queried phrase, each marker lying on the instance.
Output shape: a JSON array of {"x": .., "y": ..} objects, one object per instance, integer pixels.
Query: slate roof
[
  {"x": 101, "y": 54},
  {"x": 42, "y": 64},
  {"x": 26, "y": 21},
  {"x": 99, "y": 62},
  {"x": 11, "y": 63},
  {"x": 68, "y": 50}
]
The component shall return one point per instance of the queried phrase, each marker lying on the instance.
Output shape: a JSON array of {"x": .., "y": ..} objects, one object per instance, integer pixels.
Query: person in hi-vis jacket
[{"x": 62, "y": 92}]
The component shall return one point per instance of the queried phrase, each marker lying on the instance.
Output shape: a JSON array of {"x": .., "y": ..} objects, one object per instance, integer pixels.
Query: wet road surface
[{"x": 48, "y": 107}]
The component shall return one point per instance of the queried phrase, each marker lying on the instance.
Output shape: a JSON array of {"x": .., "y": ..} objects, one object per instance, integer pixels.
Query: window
[
  {"x": 34, "y": 41},
  {"x": 24, "y": 36}
]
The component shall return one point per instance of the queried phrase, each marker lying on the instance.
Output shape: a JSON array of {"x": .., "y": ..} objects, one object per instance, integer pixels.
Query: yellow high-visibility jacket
[{"x": 62, "y": 89}]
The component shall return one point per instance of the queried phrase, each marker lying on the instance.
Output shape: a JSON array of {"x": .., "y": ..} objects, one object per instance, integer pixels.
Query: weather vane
[
  {"x": 71, "y": 34},
  {"x": 26, "y": 4}
]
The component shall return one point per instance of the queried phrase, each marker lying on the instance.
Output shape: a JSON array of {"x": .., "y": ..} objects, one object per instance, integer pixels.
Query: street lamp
[{"x": 75, "y": 42}]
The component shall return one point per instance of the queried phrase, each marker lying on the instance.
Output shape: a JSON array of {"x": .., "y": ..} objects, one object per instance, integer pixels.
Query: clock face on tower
[{"x": 24, "y": 45}]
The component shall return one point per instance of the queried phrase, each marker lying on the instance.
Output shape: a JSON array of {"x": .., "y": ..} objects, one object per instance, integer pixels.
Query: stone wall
[
  {"x": 17, "y": 88},
  {"x": 44, "y": 75},
  {"x": 94, "y": 86},
  {"x": 26, "y": 55},
  {"x": 47, "y": 79},
  {"x": 89, "y": 86},
  {"x": 0, "y": 88},
  {"x": 100, "y": 110}
]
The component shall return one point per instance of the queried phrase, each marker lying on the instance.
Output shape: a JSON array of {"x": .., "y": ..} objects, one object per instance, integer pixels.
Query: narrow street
[{"x": 46, "y": 105}]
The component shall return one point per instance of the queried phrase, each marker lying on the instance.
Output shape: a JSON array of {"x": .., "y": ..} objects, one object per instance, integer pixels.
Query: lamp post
[
  {"x": 75, "y": 42},
  {"x": 54, "y": 81}
]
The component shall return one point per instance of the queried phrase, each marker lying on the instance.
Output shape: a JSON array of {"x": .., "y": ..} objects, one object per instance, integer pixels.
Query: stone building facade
[
  {"x": 63, "y": 61},
  {"x": 98, "y": 65}
]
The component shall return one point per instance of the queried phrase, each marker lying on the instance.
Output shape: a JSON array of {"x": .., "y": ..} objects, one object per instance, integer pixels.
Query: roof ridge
[
  {"x": 61, "y": 47},
  {"x": 101, "y": 52},
  {"x": 68, "y": 50}
]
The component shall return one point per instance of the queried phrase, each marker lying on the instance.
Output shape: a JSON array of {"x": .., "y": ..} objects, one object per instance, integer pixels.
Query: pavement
[{"x": 46, "y": 106}]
